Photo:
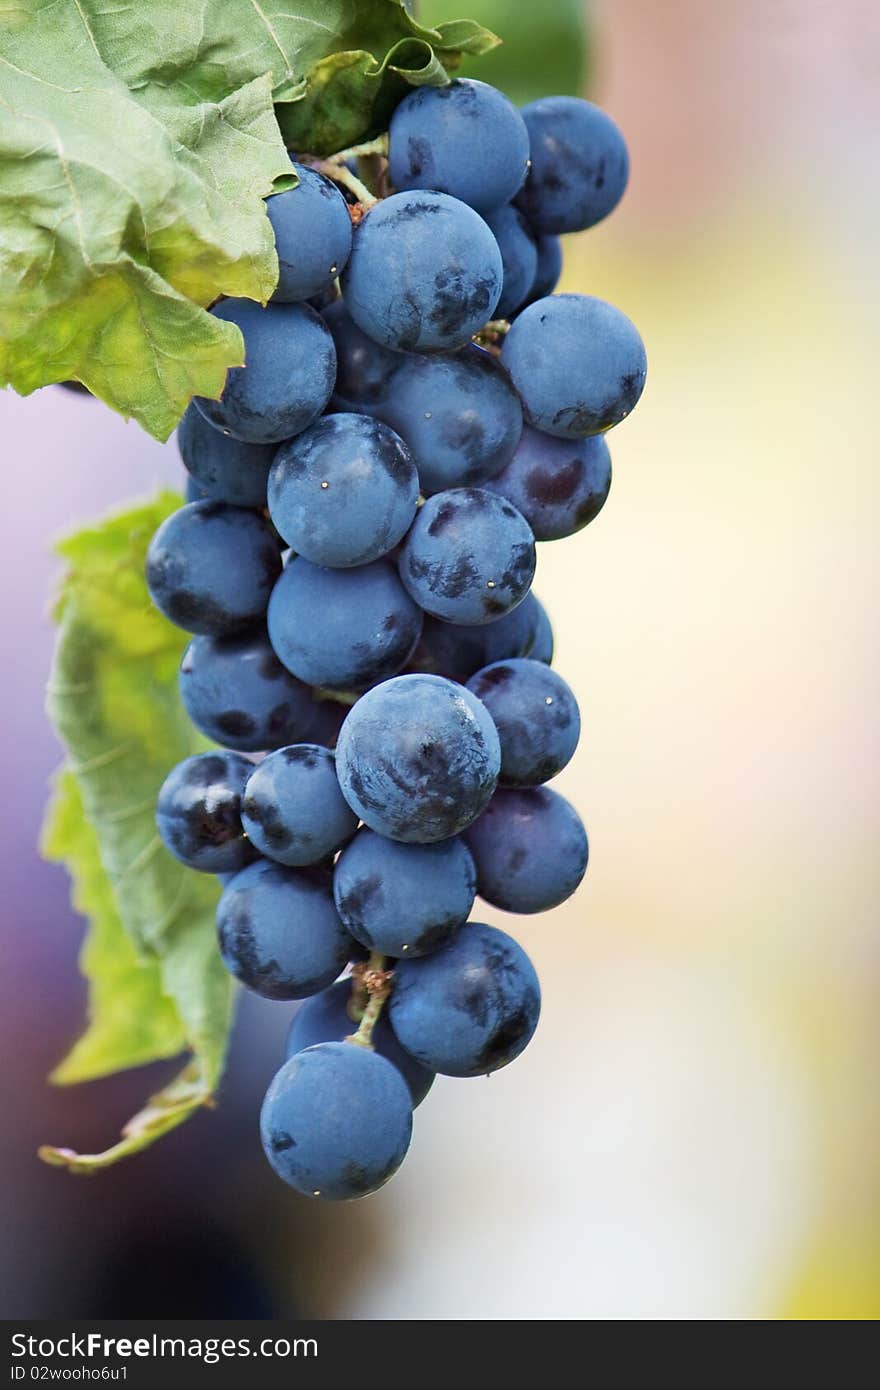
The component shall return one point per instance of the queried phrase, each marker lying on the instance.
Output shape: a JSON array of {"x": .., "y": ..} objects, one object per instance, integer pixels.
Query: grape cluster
[{"x": 416, "y": 411}]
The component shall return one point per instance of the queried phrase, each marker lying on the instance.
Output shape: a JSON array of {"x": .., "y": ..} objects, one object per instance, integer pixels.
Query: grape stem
[
  {"x": 495, "y": 328},
  {"x": 377, "y": 146},
  {"x": 374, "y": 978},
  {"x": 359, "y": 997},
  {"x": 339, "y": 174},
  {"x": 339, "y": 697},
  {"x": 334, "y": 167},
  {"x": 491, "y": 334}
]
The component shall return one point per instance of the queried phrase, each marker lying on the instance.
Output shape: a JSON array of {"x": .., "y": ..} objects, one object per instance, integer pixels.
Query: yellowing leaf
[{"x": 162, "y": 1112}]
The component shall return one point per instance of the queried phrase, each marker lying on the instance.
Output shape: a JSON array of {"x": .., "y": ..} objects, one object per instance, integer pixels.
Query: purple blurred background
[{"x": 123, "y": 1243}]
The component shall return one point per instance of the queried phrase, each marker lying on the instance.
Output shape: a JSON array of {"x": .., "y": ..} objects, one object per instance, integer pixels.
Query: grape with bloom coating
[
  {"x": 447, "y": 649},
  {"x": 418, "y": 758},
  {"x": 287, "y": 378},
  {"x": 469, "y": 1008},
  {"x": 364, "y": 368},
  {"x": 465, "y": 138},
  {"x": 220, "y": 466},
  {"x": 198, "y": 812},
  {"x": 469, "y": 557},
  {"x": 458, "y": 413},
  {"x": 536, "y": 715},
  {"x": 312, "y": 236},
  {"x": 342, "y": 629},
  {"x": 578, "y": 364},
  {"x": 549, "y": 268},
  {"x": 237, "y": 693},
  {"x": 424, "y": 273},
  {"x": 279, "y": 932},
  {"x": 559, "y": 485},
  {"x": 519, "y": 258},
  {"x": 344, "y": 492},
  {"x": 403, "y": 900},
  {"x": 337, "y": 1121},
  {"x": 530, "y": 850},
  {"x": 579, "y": 168},
  {"x": 292, "y": 807},
  {"x": 210, "y": 568}
]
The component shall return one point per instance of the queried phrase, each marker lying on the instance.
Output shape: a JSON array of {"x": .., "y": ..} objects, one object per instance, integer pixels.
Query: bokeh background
[{"x": 694, "y": 1133}]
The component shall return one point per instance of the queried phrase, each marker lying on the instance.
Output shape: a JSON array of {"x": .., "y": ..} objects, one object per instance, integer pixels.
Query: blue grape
[
  {"x": 559, "y": 485},
  {"x": 403, "y": 900},
  {"x": 279, "y": 931},
  {"x": 192, "y": 492},
  {"x": 223, "y": 468},
  {"x": 549, "y": 267},
  {"x": 542, "y": 642},
  {"x": 288, "y": 376},
  {"x": 469, "y": 557},
  {"x": 337, "y": 1121},
  {"x": 578, "y": 364},
  {"x": 326, "y": 1018},
  {"x": 198, "y": 812},
  {"x": 469, "y": 1008},
  {"x": 293, "y": 810},
  {"x": 211, "y": 568},
  {"x": 580, "y": 165},
  {"x": 418, "y": 758},
  {"x": 530, "y": 850},
  {"x": 328, "y": 718},
  {"x": 344, "y": 492},
  {"x": 236, "y": 692},
  {"x": 312, "y": 236},
  {"x": 342, "y": 629},
  {"x": 424, "y": 273},
  {"x": 322, "y": 302},
  {"x": 464, "y": 138},
  {"x": 445, "y": 649},
  {"x": 364, "y": 368},
  {"x": 536, "y": 715},
  {"x": 458, "y": 413},
  {"x": 519, "y": 258}
]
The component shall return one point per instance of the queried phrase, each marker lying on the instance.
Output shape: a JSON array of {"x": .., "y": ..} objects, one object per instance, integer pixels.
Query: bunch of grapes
[{"x": 416, "y": 410}]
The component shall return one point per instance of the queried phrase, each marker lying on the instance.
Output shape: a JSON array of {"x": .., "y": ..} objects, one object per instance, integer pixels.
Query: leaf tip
[{"x": 63, "y": 1158}]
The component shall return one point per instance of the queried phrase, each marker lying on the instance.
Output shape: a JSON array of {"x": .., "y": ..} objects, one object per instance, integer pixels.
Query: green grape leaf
[
  {"x": 123, "y": 213},
  {"x": 137, "y": 145},
  {"x": 156, "y": 981},
  {"x": 350, "y": 95}
]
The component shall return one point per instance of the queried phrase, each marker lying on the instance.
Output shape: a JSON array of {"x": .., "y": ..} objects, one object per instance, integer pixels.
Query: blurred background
[{"x": 695, "y": 1131}]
